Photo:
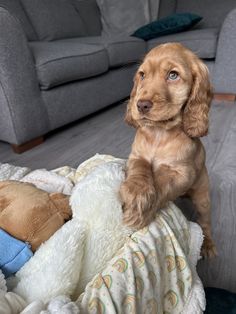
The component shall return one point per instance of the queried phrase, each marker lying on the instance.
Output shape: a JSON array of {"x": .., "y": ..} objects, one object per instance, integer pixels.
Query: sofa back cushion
[
  {"x": 54, "y": 19},
  {"x": 212, "y": 11},
  {"x": 16, "y": 9},
  {"x": 90, "y": 14},
  {"x": 123, "y": 17},
  {"x": 166, "y": 7}
]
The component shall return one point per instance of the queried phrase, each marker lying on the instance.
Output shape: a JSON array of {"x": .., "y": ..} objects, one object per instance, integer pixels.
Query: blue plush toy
[{"x": 13, "y": 253}]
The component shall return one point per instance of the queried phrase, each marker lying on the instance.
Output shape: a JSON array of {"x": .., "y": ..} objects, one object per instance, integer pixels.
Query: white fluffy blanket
[
  {"x": 157, "y": 261},
  {"x": 82, "y": 247}
]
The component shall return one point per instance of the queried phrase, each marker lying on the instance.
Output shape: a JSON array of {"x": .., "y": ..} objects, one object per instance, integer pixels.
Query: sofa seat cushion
[
  {"x": 63, "y": 61},
  {"x": 121, "y": 49},
  {"x": 202, "y": 41}
]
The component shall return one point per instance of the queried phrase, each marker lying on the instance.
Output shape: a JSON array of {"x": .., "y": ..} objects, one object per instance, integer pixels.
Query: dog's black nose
[{"x": 144, "y": 106}]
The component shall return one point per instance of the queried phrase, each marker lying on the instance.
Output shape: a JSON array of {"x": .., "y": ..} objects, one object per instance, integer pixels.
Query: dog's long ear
[
  {"x": 196, "y": 111},
  {"x": 128, "y": 116}
]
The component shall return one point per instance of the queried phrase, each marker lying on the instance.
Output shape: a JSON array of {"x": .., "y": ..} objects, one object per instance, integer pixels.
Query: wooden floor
[{"x": 104, "y": 133}]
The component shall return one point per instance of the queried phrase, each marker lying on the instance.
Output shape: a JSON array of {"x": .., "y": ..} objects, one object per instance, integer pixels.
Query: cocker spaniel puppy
[{"x": 169, "y": 106}]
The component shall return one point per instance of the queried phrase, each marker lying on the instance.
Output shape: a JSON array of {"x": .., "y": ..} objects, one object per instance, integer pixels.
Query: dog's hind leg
[{"x": 199, "y": 194}]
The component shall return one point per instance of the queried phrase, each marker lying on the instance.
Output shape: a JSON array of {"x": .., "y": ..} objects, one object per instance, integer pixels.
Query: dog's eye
[
  {"x": 142, "y": 75},
  {"x": 173, "y": 75}
]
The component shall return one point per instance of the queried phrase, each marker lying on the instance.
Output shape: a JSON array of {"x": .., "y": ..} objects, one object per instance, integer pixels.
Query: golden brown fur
[{"x": 169, "y": 106}]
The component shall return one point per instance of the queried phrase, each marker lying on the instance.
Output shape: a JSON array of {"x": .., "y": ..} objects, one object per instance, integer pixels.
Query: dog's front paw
[{"x": 139, "y": 203}]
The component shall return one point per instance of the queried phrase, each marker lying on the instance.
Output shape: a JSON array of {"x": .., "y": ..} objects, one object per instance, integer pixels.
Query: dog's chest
[{"x": 161, "y": 146}]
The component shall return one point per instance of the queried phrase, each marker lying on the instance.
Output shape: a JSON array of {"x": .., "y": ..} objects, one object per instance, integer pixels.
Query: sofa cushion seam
[
  {"x": 58, "y": 83},
  {"x": 68, "y": 57}
]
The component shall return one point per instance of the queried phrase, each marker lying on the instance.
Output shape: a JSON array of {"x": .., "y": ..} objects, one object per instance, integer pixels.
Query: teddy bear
[{"x": 30, "y": 214}]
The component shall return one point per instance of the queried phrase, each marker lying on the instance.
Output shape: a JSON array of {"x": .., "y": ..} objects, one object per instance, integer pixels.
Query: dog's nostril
[{"x": 144, "y": 105}]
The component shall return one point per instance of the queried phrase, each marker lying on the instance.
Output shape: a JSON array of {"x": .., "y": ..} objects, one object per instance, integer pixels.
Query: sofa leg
[
  {"x": 28, "y": 145},
  {"x": 225, "y": 97}
]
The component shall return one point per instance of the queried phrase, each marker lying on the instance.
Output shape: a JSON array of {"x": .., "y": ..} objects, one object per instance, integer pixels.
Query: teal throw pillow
[{"x": 169, "y": 25}]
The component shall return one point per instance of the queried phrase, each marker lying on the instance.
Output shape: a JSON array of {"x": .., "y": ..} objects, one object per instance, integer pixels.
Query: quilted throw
[{"x": 153, "y": 273}]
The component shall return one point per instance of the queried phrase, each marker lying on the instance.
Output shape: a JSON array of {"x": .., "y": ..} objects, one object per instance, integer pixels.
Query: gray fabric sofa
[
  {"x": 57, "y": 69},
  {"x": 47, "y": 84}
]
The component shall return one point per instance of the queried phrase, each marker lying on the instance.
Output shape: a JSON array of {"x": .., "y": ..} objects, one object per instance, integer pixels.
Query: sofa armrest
[
  {"x": 23, "y": 115},
  {"x": 224, "y": 74}
]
